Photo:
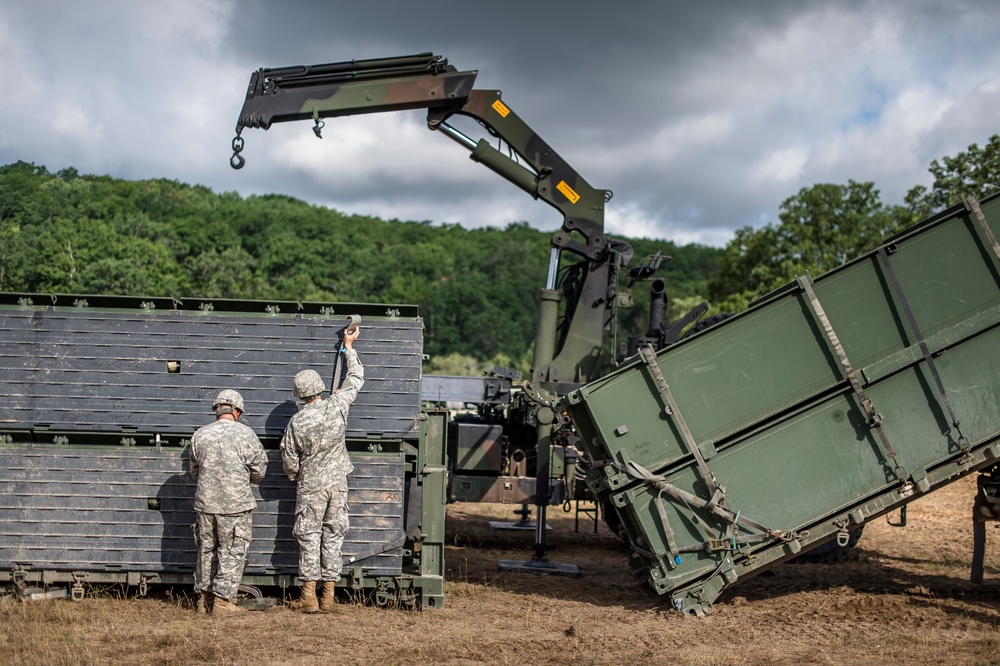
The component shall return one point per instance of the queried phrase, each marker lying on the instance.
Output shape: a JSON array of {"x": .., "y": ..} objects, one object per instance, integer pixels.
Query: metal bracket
[
  {"x": 19, "y": 576},
  {"x": 76, "y": 591},
  {"x": 385, "y": 593},
  {"x": 357, "y": 578}
]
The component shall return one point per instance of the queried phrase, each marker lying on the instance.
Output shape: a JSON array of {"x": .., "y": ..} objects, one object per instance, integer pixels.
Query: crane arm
[{"x": 427, "y": 81}]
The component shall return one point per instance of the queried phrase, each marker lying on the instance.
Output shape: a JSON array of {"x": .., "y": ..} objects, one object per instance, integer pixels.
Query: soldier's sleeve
[
  {"x": 354, "y": 381},
  {"x": 258, "y": 464},
  {"x": 193, "y": 458},
  {"x": 290, "y": 452}
]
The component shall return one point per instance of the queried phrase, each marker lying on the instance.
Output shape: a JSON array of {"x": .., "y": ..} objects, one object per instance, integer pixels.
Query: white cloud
[{"x": 781, "y": 166}]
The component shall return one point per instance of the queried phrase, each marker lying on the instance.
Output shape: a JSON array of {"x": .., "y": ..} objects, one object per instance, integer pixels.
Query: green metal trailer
[{"x": 827, "y": 403}]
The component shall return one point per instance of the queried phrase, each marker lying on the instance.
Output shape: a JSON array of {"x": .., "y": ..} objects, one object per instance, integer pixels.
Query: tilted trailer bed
[{"x": 827, "y": 403}]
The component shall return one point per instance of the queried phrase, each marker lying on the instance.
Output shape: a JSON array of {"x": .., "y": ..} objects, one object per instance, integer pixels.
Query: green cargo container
[
  {"x": 827, "y": 403},
  {"x": 102, "y": 393}
]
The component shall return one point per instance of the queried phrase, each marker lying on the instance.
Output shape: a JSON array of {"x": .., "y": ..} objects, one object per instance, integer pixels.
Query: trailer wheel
[{"x": 831, "y": 552}]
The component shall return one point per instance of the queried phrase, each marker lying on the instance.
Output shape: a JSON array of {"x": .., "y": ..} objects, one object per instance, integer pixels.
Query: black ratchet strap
[{"x": 377, "y": 549}]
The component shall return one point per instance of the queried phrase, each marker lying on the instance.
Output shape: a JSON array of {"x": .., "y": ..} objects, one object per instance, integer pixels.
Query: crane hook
[{"x": 237, "y": 161}]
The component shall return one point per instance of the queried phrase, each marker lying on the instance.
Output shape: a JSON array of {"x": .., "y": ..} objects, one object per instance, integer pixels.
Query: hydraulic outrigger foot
[
  {"x": 538, "y": 564},
  {"x": 523, "y": 524}
]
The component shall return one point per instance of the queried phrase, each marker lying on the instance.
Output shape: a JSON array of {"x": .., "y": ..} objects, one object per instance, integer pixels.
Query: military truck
[{"x": 789, "y": 426}]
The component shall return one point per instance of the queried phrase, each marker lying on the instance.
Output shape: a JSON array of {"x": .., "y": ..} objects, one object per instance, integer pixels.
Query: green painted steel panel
[{"x": 781, "y": 431}]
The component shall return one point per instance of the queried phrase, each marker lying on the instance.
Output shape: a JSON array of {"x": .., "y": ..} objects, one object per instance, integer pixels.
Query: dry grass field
[{"x": 903, "y": 597}]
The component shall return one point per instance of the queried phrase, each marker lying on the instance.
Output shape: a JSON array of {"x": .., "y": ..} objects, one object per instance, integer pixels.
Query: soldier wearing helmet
[
  {"x": 226, "y": 457},
  {"x": 314, "y": 455}
]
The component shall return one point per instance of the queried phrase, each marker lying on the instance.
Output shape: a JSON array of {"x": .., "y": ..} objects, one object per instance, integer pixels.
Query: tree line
[{"x": 477, "y": 289}]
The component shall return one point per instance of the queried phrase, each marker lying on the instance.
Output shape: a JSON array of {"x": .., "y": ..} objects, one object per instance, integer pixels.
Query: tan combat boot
[
  {"x": 226, "y": 607},
  {"x": 307, "y": 598},
  {"x": 201, "y": 604},
  {"x": 328, "y": 601}
]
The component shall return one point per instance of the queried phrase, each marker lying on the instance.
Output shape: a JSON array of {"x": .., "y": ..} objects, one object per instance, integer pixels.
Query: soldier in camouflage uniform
[
  {"x": 226, "y": 457},
  {"x": 314, "y": 454}
]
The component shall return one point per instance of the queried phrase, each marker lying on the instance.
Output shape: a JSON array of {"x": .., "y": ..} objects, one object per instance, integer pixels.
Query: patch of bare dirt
[{"x": 903, "y": 597}]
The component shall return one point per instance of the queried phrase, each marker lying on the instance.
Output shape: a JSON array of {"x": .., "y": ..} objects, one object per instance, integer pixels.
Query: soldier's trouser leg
[
  {"x": 335, "y": 526},
  {"x": 308, "y": 531},
  {"x": 234, "y": 534},
  {"x": 204, "y": 541}
]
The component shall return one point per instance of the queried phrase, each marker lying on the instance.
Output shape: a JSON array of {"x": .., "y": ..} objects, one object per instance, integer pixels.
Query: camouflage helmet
[
  {"x": 308, "y": 383},
  {"x": 228, "y": 397}
]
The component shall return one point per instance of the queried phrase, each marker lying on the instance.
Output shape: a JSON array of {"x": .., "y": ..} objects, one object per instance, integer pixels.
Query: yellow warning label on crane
[
  {"x": 568, "y": 191},
  {"x": 501, "y": 108}
]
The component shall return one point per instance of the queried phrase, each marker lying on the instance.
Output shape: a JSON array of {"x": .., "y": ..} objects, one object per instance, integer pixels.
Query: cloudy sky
[{"x": 702, "y": 117}]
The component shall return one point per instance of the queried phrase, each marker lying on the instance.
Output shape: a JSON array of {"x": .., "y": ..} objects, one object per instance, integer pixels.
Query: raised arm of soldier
[
  {"x": 309, "y": 386},
  {"x": 355, "y": 379}
]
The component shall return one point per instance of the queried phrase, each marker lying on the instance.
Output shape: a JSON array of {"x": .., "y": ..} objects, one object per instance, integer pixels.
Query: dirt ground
[{"x": 903, "y": 597}]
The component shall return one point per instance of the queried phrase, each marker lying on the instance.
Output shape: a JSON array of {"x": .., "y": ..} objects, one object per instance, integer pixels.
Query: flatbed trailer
[
  {"x": 827, "y": 403},
  {"x": 102, "y": 394}
]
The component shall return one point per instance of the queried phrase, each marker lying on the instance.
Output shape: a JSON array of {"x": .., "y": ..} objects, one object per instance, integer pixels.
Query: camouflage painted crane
[{"x": 569, "y": 339}]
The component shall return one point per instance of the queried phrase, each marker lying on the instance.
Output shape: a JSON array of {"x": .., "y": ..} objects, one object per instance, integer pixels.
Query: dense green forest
[{"x": 477, "y": 289}]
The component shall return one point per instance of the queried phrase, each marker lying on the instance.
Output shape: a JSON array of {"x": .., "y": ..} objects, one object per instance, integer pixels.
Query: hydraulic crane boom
[
  {"x": 427, "y": 81},
  {"x": 577, "y": 303}
]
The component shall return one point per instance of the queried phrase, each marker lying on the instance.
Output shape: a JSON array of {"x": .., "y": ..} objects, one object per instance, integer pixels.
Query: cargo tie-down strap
[
  {"x": 715, "y": 505},
  {"x": 671, "y": 409},
  {"x": 872, "y": 417},
  {"x": 928, "y": 359},
  {"x": 728, "y": 541},
  {"x": 973, "y": 205},
  {"x": 376, "y": 549}
]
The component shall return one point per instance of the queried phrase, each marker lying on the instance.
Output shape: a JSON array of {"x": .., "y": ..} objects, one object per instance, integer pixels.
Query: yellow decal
[
  {"x": 568, "y": 191},
  {"x": 501, "y": 108}
]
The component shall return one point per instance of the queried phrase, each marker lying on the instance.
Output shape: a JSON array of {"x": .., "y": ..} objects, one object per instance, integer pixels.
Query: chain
[{"x": 237, "y": 161}]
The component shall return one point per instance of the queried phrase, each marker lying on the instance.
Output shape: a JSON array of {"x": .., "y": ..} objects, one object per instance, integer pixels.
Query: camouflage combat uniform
[
  {"x": 226, "y": 457},
  {"x": 314, "y": 454}
]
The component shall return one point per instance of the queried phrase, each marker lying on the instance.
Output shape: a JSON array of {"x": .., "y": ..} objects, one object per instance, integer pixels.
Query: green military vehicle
[
  {"x": 515, "y": 448},
  {"x": 787, "y": 427},
  {"x": 827, "y": 403}
]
